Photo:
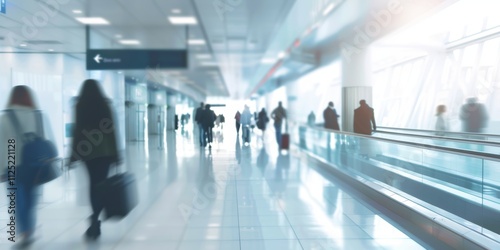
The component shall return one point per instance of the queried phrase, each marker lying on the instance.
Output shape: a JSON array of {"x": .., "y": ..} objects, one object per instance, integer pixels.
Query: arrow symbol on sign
[{"x": 98, "y": 58}]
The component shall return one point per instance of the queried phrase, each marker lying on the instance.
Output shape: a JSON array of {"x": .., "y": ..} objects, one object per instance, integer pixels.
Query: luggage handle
[{"x": 118, "y": 167}]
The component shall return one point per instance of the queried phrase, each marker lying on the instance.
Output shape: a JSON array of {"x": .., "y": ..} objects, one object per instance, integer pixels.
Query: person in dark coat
[
  {"x": 331, "y": 117},
  {"x": 262, "y": 120},
  {"x": 197, "y": 119},
  {"x": 278, "y": 114},
  {"x": 237, "y": 117},
  {"x": 94, "y": 118},
  {"x": 208, "y": 122},
  {"x": 364, "y": 119}
]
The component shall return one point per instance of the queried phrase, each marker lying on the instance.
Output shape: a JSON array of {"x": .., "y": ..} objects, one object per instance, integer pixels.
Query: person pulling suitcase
[{"x": 94, "y": 119}]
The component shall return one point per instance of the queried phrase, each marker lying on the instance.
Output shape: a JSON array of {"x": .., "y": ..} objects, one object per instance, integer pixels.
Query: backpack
[{"x": 39, "y": 156}]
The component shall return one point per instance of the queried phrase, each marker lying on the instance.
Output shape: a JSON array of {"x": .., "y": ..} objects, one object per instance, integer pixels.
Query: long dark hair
[
  {"x": 22, "y": 95},
  {"x": 92, "y": 106}
]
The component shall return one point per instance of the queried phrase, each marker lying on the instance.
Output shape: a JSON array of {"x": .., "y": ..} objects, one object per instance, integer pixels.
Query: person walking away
[
  {"x": 208, "y": 122},
  {"x": 222, "y": 121},
  {"x": 278, "y": 115},
  {"x": 364, "y": 123},
  {"x": 331, "y": 117},
  {"x": 217, "y": 121},
  {"x": 183, "y": 120},
  {"x": 96, "y": 126},
  {"x": 197, "y": 118},
  {"x": 441, "y": 120},
  {"x": 23, "y": 106},
  {"x": 474, "y": 116},
  {"x": 311, "y": 119},
  {"x": 246, "y": 120},
  {"x": 237, "y": 117},
  {"x": 364, "y": 119},
  {"x": 262, "y": 120}
]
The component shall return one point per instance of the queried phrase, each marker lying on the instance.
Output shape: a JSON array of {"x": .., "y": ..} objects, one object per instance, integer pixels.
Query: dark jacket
[
  {"x": 278, "y": 115},
  {"x": 331, "y": 119},
  {"x": 262, "y": 120},
  {"x": 198, "y": 115},
  {"x": 364, "y": 118},
  {"x": 237, "y": 117},
  {"x": 207, "y": 118},
  {"x": 91, "y": 141}
]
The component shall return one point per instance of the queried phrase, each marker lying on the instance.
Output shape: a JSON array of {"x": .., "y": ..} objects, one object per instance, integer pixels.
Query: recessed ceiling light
[
  {"x": 23, "y": 45},
  {"x": 281, "y": 55},
  {"x": 203, "y": 56},
  {"x": 208, "y": 64},
  {"x": 183, "y": 20},
  {"x": 328, "y": 9},
  {"x": 196, "y": 42},
  {"x": 176, "y": 11},
  {"x": 118, "y": 36},
  {"x": 130, "y": 42},
  {"x": 51, "y": 50},
  {"x": 92, "y": 20},
  {"x": 119, "y": 72},
  {"x": 77, "y": 11},
  {"x": 268, "y": 60}
]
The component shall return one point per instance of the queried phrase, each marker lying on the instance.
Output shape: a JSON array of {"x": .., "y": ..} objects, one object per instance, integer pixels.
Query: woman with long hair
[
  {"x": 23, "y": 107},
  {"x": 94, "y": 143}
]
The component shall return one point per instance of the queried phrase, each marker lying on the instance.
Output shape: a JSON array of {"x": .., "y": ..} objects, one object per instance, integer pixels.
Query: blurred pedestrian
[
  {"x": 278, "y": 114},
  {"x": 208, "y": 122},
  {"x": 262, "y": 120},
  {"x": 237, "y": 117},
  {"x": 474, "y": 116},
  {"x": 331, "y": 117},
  {"x": 441, "y": 120},
  {"x": 246, "y": 121},
  {"x": 94, "y": 143},
  {"x": 311, "y": 119},
  {"x": 197, "y": 119},
  {"x": 364, "y": 119},
  {"x": 222, "y": 121},
  {"x": 22, "y": 111}
]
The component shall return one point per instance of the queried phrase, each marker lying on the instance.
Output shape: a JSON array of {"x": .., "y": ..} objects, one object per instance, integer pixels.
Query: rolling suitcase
[
  {"x": 119, "y": 195},
  {"x": 285, "y": 141},
  {"x": 285, "y": 138}
]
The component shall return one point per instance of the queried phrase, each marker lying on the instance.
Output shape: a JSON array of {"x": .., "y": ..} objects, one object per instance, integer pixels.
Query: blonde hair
[{"x": 440, "y": 109}]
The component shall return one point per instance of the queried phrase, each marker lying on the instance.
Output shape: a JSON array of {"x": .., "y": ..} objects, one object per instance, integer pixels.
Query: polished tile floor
[{"x": 232, "y": 196}]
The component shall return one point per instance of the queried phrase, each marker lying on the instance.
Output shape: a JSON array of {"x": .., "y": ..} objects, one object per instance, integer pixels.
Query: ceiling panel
[{"x": 235, "y": 40}]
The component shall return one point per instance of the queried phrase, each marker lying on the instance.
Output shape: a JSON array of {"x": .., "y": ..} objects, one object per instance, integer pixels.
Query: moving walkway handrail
[
  {"x": 445, "y": 132},
  {"x": 468, "y": 153},
  {"x": 463, "y": 140}
]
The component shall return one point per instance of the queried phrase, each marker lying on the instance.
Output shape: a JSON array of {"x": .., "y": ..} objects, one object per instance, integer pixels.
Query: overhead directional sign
[
  {"x": 136, "y": 59},
  {"x": 3, "y": 6}
]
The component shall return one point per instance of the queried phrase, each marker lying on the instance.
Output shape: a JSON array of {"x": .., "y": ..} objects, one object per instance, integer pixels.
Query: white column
[{"x": 356, "y": 84}]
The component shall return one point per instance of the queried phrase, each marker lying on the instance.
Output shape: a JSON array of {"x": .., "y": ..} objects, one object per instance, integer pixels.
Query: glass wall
[
  {"x": 444, "y": 59},
  {"x": 313, "y": 91}
]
